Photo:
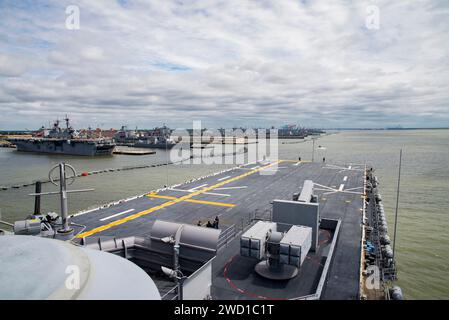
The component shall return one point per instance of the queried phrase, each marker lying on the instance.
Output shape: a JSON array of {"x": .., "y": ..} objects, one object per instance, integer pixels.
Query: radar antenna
[{"x": 67, "y": 121}]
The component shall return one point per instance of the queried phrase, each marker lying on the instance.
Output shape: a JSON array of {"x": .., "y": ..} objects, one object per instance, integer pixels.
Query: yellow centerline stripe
[
  {"x": 154, "y": 195},
  {"x": 213, "y": 203},
  {"x": 172, "y": 202}
]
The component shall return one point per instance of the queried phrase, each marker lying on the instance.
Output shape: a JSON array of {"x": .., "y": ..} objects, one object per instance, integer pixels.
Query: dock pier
[{"x": 133, "y": 151}]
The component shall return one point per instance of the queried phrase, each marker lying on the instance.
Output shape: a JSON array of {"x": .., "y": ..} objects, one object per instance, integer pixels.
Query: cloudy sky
[{"x": 319, "y": 63}]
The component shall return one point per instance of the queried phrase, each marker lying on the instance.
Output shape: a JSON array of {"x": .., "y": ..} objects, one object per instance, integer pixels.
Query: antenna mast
[
  {"x": 63, "y": 193},
  {"x": 397, "y": 204}
]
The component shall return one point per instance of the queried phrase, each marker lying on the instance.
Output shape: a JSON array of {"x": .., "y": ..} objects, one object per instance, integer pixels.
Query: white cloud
[
  {"x": 92, "y": 53},
  {"x": 227, "y": 63},
  {"x": 11, "y": 66}
]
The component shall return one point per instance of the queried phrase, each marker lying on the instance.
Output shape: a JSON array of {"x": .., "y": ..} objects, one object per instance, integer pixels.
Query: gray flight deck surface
[{"x": 235, "y": 196}]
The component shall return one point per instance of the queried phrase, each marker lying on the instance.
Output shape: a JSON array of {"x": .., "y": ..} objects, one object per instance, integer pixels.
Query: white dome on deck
[{"x": 39, "y": 268}]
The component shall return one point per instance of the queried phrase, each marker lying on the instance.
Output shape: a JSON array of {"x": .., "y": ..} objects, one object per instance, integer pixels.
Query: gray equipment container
[
  {"x": 28, "y": 227},
  {"x": 252, "y": 242},
  {"x": 295, "y": 245}
]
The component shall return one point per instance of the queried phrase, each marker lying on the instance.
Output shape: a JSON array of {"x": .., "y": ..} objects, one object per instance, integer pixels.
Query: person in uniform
[{"x": 216, "y": 221}]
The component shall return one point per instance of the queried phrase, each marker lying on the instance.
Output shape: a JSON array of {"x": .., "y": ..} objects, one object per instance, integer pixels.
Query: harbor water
[{"x": 422, "y": 242}]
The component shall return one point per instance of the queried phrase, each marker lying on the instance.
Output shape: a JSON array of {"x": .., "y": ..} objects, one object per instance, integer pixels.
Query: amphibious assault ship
[
  {"x": 283, "y": 229},
  {"x": 157, "y": 138},
  {"x": 59, "y": 140},
  {"x": 154, "y": 142}
]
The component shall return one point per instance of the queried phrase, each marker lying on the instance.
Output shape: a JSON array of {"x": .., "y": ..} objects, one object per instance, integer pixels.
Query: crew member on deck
[{"x": 216, "y": 221}]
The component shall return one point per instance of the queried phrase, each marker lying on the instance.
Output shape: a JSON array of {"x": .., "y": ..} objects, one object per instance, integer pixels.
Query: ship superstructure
[
  {"x": 157, "y": 138},
  {"x": 58, "y": 140}
]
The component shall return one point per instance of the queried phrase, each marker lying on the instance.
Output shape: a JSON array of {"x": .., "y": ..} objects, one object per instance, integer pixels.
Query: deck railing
[{"x": 225, "y": 236}]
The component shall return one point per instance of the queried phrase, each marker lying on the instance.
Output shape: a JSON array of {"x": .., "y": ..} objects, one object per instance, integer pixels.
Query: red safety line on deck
[{"x": 232, "y": 284}]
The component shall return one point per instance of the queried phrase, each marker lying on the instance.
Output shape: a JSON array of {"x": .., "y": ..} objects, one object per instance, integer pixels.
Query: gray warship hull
[{"x": 67, "y": 147}]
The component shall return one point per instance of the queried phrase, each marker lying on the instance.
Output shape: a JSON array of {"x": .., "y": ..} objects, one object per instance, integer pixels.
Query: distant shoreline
[
  {"x": 383, "y": 129},
  {"x": 324, "y": 129}
]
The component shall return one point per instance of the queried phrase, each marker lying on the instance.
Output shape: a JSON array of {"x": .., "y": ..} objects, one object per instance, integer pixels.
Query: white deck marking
[
  {"x": 275, "y": 168},
  {"x": 345, "y": 178},
  {"x": 297, "y": 163},
  {"x": 230, "y": 188},
  {"x": 210, "y": 193},
  {"x": 194, "y": 189},
  {"x": 341, "y": 169},
  {"x": 217, "y": 194},
  {"x": 224, "y": 178},
  {"x": 180, "y": 190},
  {"x": 117, "y": 214},
  {"x": 354, "y": 188},
  {"x": 332, "y": 190}
]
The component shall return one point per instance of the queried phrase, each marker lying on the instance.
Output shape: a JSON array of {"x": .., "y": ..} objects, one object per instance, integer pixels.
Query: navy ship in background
[
  {"x": 66, "y": 140},
  {"x": 157, "y": 138}
]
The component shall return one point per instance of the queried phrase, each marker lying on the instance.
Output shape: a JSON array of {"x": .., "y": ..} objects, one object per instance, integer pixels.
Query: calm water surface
[{"x": 423, "y": 241}]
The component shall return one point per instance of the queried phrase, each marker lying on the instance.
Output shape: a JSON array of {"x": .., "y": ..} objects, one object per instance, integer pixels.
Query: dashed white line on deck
[
  {"x": 217, "y": 194},
  {"x": 194, "y": 189},
  {"x": 230, "y": 188},
  {"x": 117, "y": 214},
  {"x": 209, "y": 193}
]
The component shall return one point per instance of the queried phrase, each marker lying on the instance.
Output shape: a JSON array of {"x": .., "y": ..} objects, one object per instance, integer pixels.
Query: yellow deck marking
[
  {"x": 172, "y": 202},
  {"x": 155, "y": 195},
  {"x": 213, "y": 203}
]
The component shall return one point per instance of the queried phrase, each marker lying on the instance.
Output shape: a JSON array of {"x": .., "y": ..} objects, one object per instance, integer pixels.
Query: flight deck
[{"x": 241, "y": 196}]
